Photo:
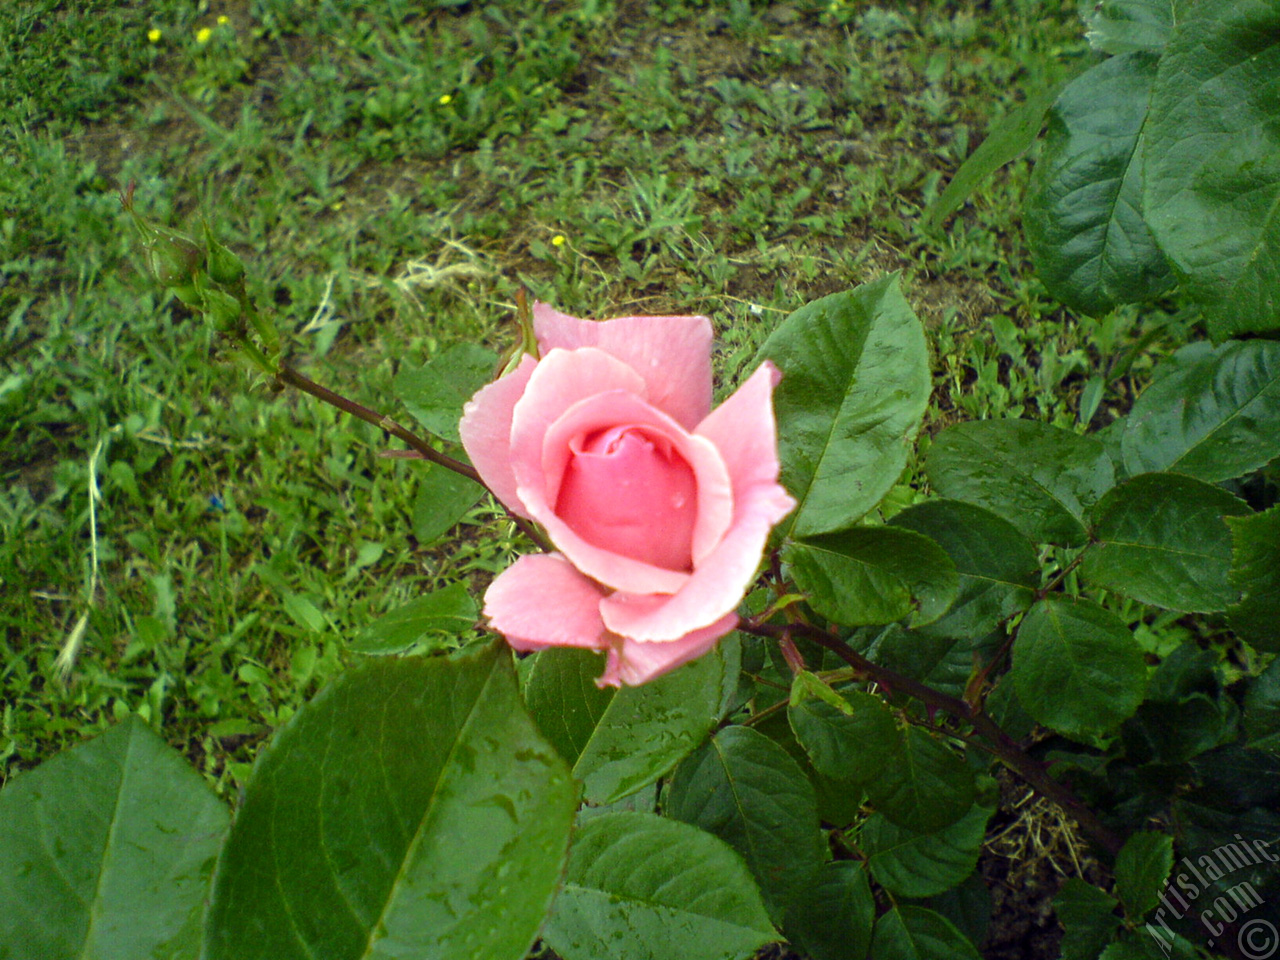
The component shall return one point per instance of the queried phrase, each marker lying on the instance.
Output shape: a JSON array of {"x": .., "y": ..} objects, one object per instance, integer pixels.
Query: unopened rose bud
[
  {"x": 173, "y": 257},
  {"x": 224, "y": 266},
  {"x": 223, "y": 309}
]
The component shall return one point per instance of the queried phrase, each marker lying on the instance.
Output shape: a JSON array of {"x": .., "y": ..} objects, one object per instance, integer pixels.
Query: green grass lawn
[{"x": 394, "y": 172}]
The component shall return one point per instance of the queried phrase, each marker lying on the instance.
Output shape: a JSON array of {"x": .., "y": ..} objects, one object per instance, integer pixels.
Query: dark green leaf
[
  {"x": 449, "y": 610},
  {"x": 623, "y": 741},
  {"x": 925, "y": 785},
  {"x": 563, "y": 699},
  {"x": 967, "y": 906},
  {"x": 410, "y": 808},
  {"x": 1262, "y": 709},
  {"x": 996, "y": 564},
  {"x": 832, "y": 919},
  {"x": 1084, "y": 224},
  {"x": 1160, "y": 538},
  {"x": 1123, "y": 26},
  {"x": 855, "y": 382},
  {"x": 1255, "y": 572},
  {"x": 745, "y": 789},
  {"x": 641, "y": 887},
  {"x": 1215, "y": 416},
  {"x": 1039, "y": 478},
  {"x": 914, "y": 933},
  {"x": 1213, "y": 161},
  {"x": 443, "y": 499},
  {"x": 853, "y": 744},
  {"x": 1009, "y": 138},
  {"x": 1076, "y": 667},
  {"x": 915, "y": 865},
  {"x": 872, "y": 575},
  {"x": 944, "y": 663},
  {"x": 436, "y": 392},
  {"x": 1088, "y": 915},
  {"x": 1142, "y": 868},
  {"x": 106, "y": 852}
]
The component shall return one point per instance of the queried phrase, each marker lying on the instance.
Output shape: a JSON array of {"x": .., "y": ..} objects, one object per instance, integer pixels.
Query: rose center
[{"x": 629, "y": 491}]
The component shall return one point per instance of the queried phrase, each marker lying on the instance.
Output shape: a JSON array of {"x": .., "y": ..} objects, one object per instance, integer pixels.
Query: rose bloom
[{"x": 658, "y": 506}]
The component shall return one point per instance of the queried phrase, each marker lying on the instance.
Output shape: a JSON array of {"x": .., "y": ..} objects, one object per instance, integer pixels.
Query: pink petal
[
  {"x": 743, "y": 430},
  {"x": 540, "y": 490},
  {"x": 632, "y": 662},
  {"x": 542, "y": 601},
  {"x": 673, "y": 354},
  {"x": 486, "y": 432},
  {"x": 627, "y": 490}
]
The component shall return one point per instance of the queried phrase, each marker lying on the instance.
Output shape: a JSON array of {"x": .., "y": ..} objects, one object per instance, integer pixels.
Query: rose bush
[{"x": 658, "y": 506}]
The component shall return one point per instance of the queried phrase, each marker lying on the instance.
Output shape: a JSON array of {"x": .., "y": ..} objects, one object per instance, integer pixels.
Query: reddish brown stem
[
  {"x": 287, "y": 375},
  {"x": 1001, "y": 744}
]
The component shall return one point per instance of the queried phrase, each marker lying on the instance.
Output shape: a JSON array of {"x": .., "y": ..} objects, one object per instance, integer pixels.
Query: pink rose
[{"x": 658, "y": 506}]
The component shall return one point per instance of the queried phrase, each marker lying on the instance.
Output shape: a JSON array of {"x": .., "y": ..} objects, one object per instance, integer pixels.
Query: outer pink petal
[
  {"x": 743, "y": 430},
  {"x": 542, "y": 601},
  {"x": 632, "y": 663},
  {"x": 486, "y": 432},
  {"x": 673, "y": 354}
]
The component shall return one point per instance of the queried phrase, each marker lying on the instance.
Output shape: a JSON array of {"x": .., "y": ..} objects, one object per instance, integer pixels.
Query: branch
[
  {"x": 287, "y": 375},
  {"x": 1002, "y": 745}
]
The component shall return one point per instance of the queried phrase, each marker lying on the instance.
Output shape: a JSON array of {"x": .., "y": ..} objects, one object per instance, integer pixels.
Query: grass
[{"x": 394, "y": 172}]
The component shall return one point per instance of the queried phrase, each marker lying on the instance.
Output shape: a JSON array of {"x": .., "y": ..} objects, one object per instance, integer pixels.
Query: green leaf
[
  {"x": 1039, "y": 478},
  {"x": 1160, "y": 538},
  {"x": 1255, "y": 572},
  {"x": 925, "y": 786},
  {"x": 1084, "y": 224},
  {"x": 410, "y": 808},
  {"x": 853, "y": 745},
  {"x": 855, "y": 382},
  {"x": 944, "y": 663},
  {"x": 1142, "y": 868},
  {"x": 912, "y": 864},
  {"x": 745, "y": 789},
  {"x": 1215, "y": 416},
  {"x": 1213, "y": 161},
  {"x": 435, "y": 393},
  {"x": 1009, "y": 138},
  {"x": 622, "y": 741},
  {"x": 872, "y": 575},
  {"x": 449, "y": 610},
  {"x": 1123, "y": 26},
  {"x": 996, "y": 564},
  {"x": 443, "y": 498},
  {"x": 106, "y": 851},
  {"x": 1262, "y": 709},
  {"x": 563, "y": 699},
  {"x": 914, "y": 933},
  {"x": 1076, "y": 667},
  {"x": 641, "y": 887},
  {"x": 833, "y": 918},
  {"x": 1088, "y": 915}
]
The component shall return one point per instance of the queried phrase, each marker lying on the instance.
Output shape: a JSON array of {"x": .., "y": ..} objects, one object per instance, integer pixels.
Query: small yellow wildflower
[
  {"x": 558, "y": 240},
  {"x": 154, "y": 35},
  {"x": 203, "y": 35},
  {"x": 223, "y": 20},
  {"x": 445, "y": 99}
]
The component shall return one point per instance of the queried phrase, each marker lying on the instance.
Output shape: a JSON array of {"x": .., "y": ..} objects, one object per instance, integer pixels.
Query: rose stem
[
  {"x": 1001, "y": 744},
  {"x": 287, "y": 375}
]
